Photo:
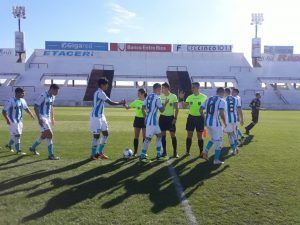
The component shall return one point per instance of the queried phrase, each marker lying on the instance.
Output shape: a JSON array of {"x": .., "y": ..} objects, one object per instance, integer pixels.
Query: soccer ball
[{"x": 127, "y": 153}]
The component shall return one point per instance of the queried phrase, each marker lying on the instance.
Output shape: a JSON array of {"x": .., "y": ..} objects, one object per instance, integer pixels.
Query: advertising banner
[
  {"x": 66, "y": 45},
  {"x": 278, "y": 49},
  {"x": 134, "y": 47},
  {"x": 201, "y": 48}
]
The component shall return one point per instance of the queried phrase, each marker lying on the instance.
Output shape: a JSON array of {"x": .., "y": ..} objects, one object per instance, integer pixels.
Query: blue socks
[
  {"x": 93, "y": 151},
  {"x": 18, "y": 147},
  {"x": 158, "y": 150},
  {"x": 100, "y": 149},
  {"x": 217, "y": 154},
  {"x": 50, "y": 149},
  {"x": 35, "y": 144},
  {"x": 208, "y": 146}
]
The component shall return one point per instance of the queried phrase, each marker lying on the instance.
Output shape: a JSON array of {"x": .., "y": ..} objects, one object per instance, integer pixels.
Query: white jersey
[
  {"x": 213, "y": 105},
  {"x": 231, "y": 109},
  {"x": 45, "y": 104},
  {"x": 14, "y": 109},
  {"x": 152, "y": 103},
  {"x": 98, "y": 103}
]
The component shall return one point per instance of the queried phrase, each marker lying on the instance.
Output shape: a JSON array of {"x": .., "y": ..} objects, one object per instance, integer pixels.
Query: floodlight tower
[
  {"x": 257, "y": 19},
  {"x": 19, "y": 13}
]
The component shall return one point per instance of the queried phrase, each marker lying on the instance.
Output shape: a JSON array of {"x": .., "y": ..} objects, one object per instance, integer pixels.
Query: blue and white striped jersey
[
  {"x": 152, "y": 103},
  {"x": 14, "y": 109},
  {"x": 213, "y": 105},
  {"x": 45, "y": 104},
  {"x": 231, "y": 109},
  {"x": 98, "y": 103}
]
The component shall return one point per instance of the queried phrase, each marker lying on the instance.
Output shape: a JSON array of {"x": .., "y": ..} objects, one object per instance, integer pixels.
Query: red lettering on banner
[{"x": 133, "y": 47}]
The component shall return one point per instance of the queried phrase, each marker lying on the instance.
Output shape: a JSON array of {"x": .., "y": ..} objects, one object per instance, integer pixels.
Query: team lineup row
[{"x": 219, "y": 114}]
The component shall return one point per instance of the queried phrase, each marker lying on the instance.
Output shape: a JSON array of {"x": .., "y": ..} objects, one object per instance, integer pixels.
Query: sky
[{"x": 153, "y": 21}]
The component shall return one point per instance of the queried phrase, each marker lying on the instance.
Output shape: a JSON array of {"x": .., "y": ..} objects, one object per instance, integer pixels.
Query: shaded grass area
[{"x": 259, "y": 186}]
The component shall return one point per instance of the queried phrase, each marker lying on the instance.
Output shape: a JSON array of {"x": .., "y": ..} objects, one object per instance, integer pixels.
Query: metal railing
[
  {"x": 281, "y": 97},
  {"x": 63, "y": 75},
  {"x": 239, "y": 68},
  {"x": 218, "y": 78},
  {"x": 23, "y": 87},
  {"x": 177, "y": 68},
  {"x": 103, "y": 67},
  {"x": 38, "y": 65},
  {"x": 253, "y": 91}
]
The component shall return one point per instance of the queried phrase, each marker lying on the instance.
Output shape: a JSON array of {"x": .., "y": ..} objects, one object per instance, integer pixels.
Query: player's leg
[
  {"x": 49, "y": 140},
  {"x": 209, "y": 144},
  {"x": 218, "y": 137},
  {"x": 163, "y": 127},
  {"x": 253, "y": 123},
  {"x": 94, "y": 146},
  {"x": 190, "y": 127},
  {"x": 158, "y": 146},
  {"x": 148, "y": 137},
  {"x": 200, "y": 129},
  {"x": 174, "y": 142},
  {"x": 164, "y": 142},
  {"x": 11, "y": 142},
  {"x": 137, "y": 132},
  {"x": 102, "y": 145}
]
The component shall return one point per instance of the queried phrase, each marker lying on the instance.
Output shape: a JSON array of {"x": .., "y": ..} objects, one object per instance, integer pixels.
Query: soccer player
[
  {"x": 168, "y": 118},
  {"x": 139, "y": 120},
  {"x": 194, "y": 120},
  {"x": 234, "y": 114},
  {"x": 44, "y": 111},
  {"x": 150, "y": 107},
  {"x": 235, "y": 93},
  {"x": 214, "y": 107},
  {"x": 98, "y": 123},
  {"x": 12, "y": 113},
  {"x": 255, "y": 106}
]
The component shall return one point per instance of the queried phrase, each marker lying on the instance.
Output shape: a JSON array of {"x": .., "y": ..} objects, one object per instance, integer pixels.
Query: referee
[
  {"x": 255, "y": 106},
  {"x": 167, "y": 119},
  {"x": 194, "y": 119}
]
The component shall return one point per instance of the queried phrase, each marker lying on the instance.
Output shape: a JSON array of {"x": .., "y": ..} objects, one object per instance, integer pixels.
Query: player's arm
[
  {"x": 184, "y": 104},
  {"x": 131, "y": 105},
  {"x": 30, "y": 113},
  {"x": 7, "y": 107},
  {"x": 222, "y": 112},
  {"x": 37, "y": 106},
  {"x": 144, "y": 111},
  {"x": 241, "y": 116},
  {"x": 110, "y": 102},
  {"x": 52, "y": 116},
  {"x": 202, "y": 108},
  {"x": 162, "y": 107},
  {"x": 176, "y": 111}
]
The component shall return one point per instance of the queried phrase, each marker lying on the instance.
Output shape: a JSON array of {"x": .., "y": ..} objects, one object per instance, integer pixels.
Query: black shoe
[
  {"x": 247, "y": 132},
  {"x": 175, "y": 155}
]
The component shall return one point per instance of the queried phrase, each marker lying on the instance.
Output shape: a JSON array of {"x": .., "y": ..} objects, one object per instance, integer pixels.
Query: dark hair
[
  {"x": 143, "y": 92},
  {"x": 102, "y": 81},
  {"x": 156, "y": 85},
  {"x": 54, "y": 87},
  {"x": 19, "y": 90},
  {"x": 196, "y": 84},
  {"x": 228, "y": 91},
  {"x": 236, "y": 90},
  {"x": 220, "y": 90},
  {"x": 166, "y": 85},
  {"x": 257, "y": 94}
]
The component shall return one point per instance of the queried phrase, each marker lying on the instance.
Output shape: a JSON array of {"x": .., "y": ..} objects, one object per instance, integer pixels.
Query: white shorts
[
  {"x": 46, "y": 124},
  {"x": 215, "y": 133},
  {"x": 152, "y": 130},
  {"x": 231, "y": 127},
  {"x": 98, "y": 124},
  {"x": 16, "y": 128}
]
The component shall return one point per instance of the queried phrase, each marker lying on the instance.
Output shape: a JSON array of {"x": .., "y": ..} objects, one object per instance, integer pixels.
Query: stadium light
[
  {"x": 257, "y": 19},
  {"x": 19, "y": 13}
]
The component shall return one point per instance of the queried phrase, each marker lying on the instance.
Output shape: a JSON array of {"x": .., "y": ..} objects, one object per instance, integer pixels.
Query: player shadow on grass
[
  {"x": 15, "y": 160},
  {"x": 89, "y": 184},
  {"x": 22, "y": 164},
  {"x": 160, "y": 187},
  {"x": 25, "y": 179}
]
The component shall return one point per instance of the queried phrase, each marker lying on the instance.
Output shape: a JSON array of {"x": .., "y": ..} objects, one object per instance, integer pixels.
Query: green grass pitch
[{"x": 259, "y": 186}]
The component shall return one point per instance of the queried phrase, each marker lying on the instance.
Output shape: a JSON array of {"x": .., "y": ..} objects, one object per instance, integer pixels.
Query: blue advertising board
[
  {"x": 278, "y": 49},
  {"x": 67, "y": 45}
]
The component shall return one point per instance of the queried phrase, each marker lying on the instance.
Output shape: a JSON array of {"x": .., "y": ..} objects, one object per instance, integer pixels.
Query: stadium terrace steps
[{"x": 92, "y": 86}]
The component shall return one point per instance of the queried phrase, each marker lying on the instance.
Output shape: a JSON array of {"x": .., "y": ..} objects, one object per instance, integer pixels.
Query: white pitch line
[{"x": 181, "y": 196}]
